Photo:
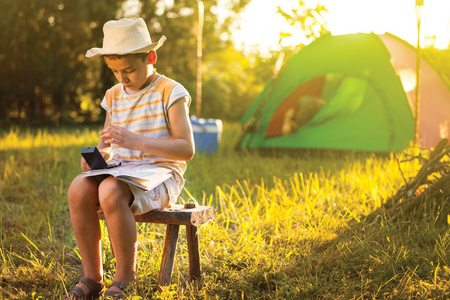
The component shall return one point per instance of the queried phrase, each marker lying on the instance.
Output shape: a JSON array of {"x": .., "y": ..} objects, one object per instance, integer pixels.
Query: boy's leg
[
  {"x": 115, "y": 197},
  {"x": 83, "y": 200}
]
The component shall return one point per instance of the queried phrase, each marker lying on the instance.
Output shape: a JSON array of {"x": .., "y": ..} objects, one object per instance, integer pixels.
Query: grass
[{"x": 286, "y": 226}]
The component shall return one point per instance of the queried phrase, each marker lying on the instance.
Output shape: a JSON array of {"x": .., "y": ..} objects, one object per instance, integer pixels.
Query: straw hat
[{"x": 125, "y": 36}]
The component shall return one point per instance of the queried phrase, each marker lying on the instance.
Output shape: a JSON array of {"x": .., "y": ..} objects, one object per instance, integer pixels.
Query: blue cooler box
[{"x": 207, "y": 134}]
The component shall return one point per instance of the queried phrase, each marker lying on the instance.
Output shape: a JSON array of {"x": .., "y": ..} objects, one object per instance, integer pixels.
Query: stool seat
[
  {"x": 177, "y": 214},
  {"x": 173, "y": 217}
]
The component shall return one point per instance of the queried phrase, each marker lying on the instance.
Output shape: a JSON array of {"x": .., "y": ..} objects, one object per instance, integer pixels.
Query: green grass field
[{"x": 286, "y": 227}]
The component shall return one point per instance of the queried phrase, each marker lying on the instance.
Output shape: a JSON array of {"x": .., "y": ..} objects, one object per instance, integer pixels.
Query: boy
[{"x": 147, "y": 121}]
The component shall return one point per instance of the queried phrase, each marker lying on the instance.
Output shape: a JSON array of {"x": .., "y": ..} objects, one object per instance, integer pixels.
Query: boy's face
[{"x": 131, "y": 70}]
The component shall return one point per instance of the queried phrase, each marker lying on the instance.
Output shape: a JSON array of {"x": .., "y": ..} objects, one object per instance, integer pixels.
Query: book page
[{"x": 141, "y": 175}]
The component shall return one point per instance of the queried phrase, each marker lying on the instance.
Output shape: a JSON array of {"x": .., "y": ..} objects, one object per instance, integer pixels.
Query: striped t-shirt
[{"x": 145, "y": 113}]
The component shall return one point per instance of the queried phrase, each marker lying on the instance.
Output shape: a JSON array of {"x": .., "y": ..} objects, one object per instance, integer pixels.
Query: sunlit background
[
  {"x": 260, "y": 25},
  {"x": 244, "y": 42}
]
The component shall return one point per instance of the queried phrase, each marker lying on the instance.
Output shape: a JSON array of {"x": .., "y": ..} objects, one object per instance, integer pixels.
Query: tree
[
  {"x": 41, "y": 54},
  {"x": 303, "y": 19},
  {"x": 45, "y": 78},
  {"x": 177, "y": 58}
]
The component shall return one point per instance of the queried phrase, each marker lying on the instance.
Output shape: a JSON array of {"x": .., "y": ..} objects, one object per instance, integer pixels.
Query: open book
[{"x": 141, "y": 175}]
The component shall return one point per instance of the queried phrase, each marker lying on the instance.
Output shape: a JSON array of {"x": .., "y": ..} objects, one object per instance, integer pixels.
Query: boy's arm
[
  {"x": 180, "y": 146},
  {"x": 102, "y": 147},
  {"x": 181, "y": 129}
]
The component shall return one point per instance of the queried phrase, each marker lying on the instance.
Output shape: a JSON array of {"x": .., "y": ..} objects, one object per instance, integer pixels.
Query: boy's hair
[{"x": 142, "y": 56}]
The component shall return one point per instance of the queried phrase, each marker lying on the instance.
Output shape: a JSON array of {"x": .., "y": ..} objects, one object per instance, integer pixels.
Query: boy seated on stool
[{"x": 147, "y": 121}]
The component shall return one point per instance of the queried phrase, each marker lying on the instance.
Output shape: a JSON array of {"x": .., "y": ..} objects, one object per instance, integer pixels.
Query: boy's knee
[
  {"x": 113, "y": 194},
  {"x": 81, "y": 189},
  {"x": 75, "y": 187}
]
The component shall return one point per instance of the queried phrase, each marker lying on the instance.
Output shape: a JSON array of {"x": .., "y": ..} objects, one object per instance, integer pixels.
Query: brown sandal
[
  {"x": 76, "y": 293},
  {"x": 116, "y": 295}
]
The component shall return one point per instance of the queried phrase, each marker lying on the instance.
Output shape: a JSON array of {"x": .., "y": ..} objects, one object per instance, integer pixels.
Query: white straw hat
[{"x": 125, "y": 36}]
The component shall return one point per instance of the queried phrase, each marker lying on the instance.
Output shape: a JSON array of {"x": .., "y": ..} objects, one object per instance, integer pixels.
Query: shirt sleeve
[
  {"x": 103, "y": 104},
  {"x": 178, "y": 92}
]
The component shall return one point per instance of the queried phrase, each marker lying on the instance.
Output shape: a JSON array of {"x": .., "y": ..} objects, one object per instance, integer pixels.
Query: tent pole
[
  {"x": 198, "y": 107},
  {"x": 419, "y": 12}
]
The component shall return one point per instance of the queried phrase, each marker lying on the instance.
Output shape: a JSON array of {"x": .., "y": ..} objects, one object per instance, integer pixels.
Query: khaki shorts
[{"x": 160, "y": 197}]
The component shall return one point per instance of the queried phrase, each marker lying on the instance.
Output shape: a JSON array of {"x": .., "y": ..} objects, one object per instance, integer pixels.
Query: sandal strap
[
  {"x": 116, "y": 294},
  {"x": 93, "y": 286},
  {"x": 76, "y": 293},
  {"x": 121, "y": 285},
  {"x": 95, "y": 289}
]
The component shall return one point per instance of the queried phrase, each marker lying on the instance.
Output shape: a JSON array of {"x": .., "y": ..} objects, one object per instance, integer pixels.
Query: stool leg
[
  {"x": 194, "y": 253},
  {"x": 170, "y": 247}
]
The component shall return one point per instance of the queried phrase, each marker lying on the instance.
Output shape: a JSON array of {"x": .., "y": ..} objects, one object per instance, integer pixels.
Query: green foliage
[
  {"x": 45, "y": 78},
  {"x": 41, "y": 51},
  {"x": 286, "y": 226},
  {"x": 228, "y": 80},
  {"x": 305, "y": 19}
]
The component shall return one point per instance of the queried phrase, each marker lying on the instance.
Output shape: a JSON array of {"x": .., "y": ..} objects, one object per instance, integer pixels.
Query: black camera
[{"x": 94, "y": 159}]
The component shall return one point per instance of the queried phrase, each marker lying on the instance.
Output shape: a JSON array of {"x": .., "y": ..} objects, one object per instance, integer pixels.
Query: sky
[{"x": 261, "y": 25}]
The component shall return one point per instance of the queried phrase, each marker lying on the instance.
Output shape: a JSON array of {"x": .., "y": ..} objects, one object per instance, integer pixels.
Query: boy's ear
[{"x": 152, "y": 57}]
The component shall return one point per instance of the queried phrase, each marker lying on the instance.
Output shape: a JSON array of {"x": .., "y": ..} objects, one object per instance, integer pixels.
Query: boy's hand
[
  {"x": 105, "y": 154},
  {"x": 120, "y": 136},
  {"x": 84, "y": 165}
]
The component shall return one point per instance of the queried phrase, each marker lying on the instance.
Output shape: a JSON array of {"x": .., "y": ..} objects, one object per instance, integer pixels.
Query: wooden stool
[{"x": 174, "y": 217}]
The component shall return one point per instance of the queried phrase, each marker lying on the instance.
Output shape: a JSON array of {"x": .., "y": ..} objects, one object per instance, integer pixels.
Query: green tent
[{"x": 348, "y": 92}]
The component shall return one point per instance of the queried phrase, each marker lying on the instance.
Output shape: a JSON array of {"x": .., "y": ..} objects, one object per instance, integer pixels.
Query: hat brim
[{"x": 95, "y": 52}]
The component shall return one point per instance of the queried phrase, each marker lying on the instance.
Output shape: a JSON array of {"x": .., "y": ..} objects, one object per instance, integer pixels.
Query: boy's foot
[
  {"x": 84, "y": 288},
  {"x": 115, "y": 291}
]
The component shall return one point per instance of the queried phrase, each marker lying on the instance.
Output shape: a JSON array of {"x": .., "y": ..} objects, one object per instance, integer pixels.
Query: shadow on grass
[{"x": 371, "y": 259}]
